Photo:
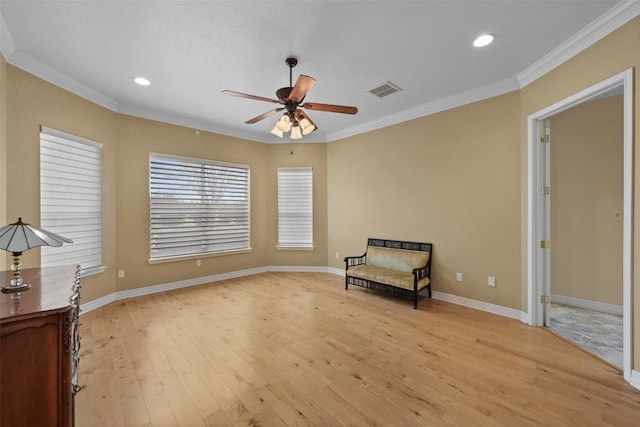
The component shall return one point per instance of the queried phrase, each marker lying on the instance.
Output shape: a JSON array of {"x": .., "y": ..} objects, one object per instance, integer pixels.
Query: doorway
[
  {"x": 539, "y": 231},
  {"x": 586, "y": 198}
]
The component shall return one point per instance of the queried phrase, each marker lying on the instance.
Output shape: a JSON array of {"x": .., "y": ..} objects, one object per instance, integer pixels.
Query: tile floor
[{"x": 597, "y": 332}]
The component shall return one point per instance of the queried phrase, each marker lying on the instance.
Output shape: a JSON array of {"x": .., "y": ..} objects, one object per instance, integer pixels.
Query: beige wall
[
  {"x": 127, "y": 143},
  {"x": 613, "y": 54},
  {"x": 586, "y": 182},
  {"x": 457, "y": 179},
  {"x": 139, "y": 137},
  {"x": 31, "y": 102},
  {"x": 451, "y": 179}
]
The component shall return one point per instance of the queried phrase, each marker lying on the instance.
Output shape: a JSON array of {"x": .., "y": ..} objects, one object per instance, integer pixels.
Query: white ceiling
[{"x": 191, "y": 50}]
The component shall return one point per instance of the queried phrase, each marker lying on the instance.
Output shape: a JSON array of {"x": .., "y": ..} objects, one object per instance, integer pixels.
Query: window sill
[
  {"x": 198, "y": 256},
  {"x": 296, "y": 248},
  {"x": 93, "y": 271}
]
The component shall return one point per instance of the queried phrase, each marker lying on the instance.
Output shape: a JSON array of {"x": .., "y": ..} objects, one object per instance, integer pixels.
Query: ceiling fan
[{"x": 291, "y": 98}]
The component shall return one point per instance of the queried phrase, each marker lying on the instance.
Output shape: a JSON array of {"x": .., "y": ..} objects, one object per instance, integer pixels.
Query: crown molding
[
  {"x": 7, "y": 44},
  {"x": 18, "y": 59},
  {"x": 605, "y": 24},
  {"x": 616, "y": 17},
  {"x": 457, "y": 100},
  {"x": 51, "y": 75},
  {"x": 202, "y": 125},
  {"x": 174, "y": 119}
]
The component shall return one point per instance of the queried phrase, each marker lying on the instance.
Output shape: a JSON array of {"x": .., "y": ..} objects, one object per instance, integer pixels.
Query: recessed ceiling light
[
  {"x": 483, "y": 40},
  {"x": 142, "y": 81}
]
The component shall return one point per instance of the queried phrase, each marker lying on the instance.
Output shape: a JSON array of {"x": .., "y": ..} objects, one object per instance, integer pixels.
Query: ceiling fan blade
[
  {"x": 264, "y": 116},
  {"x": 330, "y": 108},
  {"x": 246, "y": 95},
  {"x": 303, "y": 84}
]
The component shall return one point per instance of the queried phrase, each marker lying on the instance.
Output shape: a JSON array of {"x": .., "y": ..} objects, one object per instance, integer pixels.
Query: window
[
  {"x": 295, "y": 208},
  {"x": 70, "y": 199},
  {"x": 197, "y": 207}
]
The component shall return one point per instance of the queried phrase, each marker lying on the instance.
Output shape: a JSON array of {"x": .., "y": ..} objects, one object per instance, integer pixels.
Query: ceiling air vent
[{"x": 386, "y": 88}]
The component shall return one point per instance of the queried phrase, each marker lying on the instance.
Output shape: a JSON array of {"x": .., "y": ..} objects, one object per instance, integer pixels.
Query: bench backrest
[{"x": 397, "y": 255}]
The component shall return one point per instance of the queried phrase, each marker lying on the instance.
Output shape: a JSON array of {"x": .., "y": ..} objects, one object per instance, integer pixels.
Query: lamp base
[{"x": 9, "y": 289}]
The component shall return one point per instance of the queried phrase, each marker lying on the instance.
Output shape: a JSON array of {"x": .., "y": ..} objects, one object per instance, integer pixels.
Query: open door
[
  {"x": 538, "y": 221},
  {"x": 545, "y": 241},
  {"x": 584, "y": 218}
]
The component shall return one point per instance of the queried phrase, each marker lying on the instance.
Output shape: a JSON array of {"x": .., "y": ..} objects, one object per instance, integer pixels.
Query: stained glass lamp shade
[{"x": 19, "y": 237}]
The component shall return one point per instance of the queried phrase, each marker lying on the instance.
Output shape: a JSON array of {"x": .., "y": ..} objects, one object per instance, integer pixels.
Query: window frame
[
  {"x": 200, "y": 163},
  {"x": 53, "y": 136},
  {"x": 300, "y": 245}
]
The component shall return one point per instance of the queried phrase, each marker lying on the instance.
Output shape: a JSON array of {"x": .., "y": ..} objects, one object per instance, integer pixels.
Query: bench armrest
[
  {"x": 352, "y": 261},
  {"x": 422, "y": 272}
]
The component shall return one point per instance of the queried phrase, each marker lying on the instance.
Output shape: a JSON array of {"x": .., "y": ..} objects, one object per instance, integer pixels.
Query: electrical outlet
[
  {"x": 337, "y": 255},
  {"x": 198, "y": 263},
  {"x": 491, "y": 282},
  {"x": 120, "y": 274},
  {"x": 459, "y": 277}
]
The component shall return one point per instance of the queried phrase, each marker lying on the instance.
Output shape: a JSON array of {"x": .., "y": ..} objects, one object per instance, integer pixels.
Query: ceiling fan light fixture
[
  {"x": 295, "y": 131},
  {"x": 307, "y": 126},
  {"x": 284, "y": 124},
  {"x": 277, "y": 132}
]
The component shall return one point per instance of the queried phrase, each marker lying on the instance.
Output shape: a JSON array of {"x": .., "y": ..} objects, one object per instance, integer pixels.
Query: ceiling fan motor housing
[
  {"x": 283, "y": 93},
  {"x": 290, "y": 104}
]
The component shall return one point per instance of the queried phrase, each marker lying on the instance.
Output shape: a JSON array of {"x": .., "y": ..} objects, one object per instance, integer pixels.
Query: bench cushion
[
  {"x": 396, "y": 259},
  {"x": 387, "y": 276}
]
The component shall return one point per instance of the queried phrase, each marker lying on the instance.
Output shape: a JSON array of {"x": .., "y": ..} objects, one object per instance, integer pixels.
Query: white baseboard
[
  {"x": 147, "y": 290},
  {"x": 525, "y": 317},
  {"x": 187, "y": 283},
  {"x": 455, "y": 299},
  {"x": 635, "y": 379},
  {"x": 97, "y": 303},
  {"x": 297, "y": 269},
  {"x": 588, "y": 304},
  {"x": 336, "y": 271},
  {"x": 467, "y": 302},
  {"x": 479, "y": 305}
]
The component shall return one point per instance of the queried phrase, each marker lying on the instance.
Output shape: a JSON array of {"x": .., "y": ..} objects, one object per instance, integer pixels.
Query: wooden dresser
[{"x": 39, "y": 346}]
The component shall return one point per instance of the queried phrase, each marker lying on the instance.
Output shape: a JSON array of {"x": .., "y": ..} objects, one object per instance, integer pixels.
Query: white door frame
[{"x": 535, "y": 213}]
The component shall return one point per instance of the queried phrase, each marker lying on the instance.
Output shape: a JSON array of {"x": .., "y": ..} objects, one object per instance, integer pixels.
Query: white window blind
[
  {"x": 295, "y": 207},
  {"x": 70, "y": 199},
  {"x": 197, "y": 206}
]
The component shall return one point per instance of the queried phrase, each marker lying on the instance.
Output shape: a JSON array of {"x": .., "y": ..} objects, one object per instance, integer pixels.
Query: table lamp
[{"x": 19, "y": 237}]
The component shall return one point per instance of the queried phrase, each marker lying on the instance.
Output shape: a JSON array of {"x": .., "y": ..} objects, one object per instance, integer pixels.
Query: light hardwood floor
[{"x": 288, "y": 349}]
